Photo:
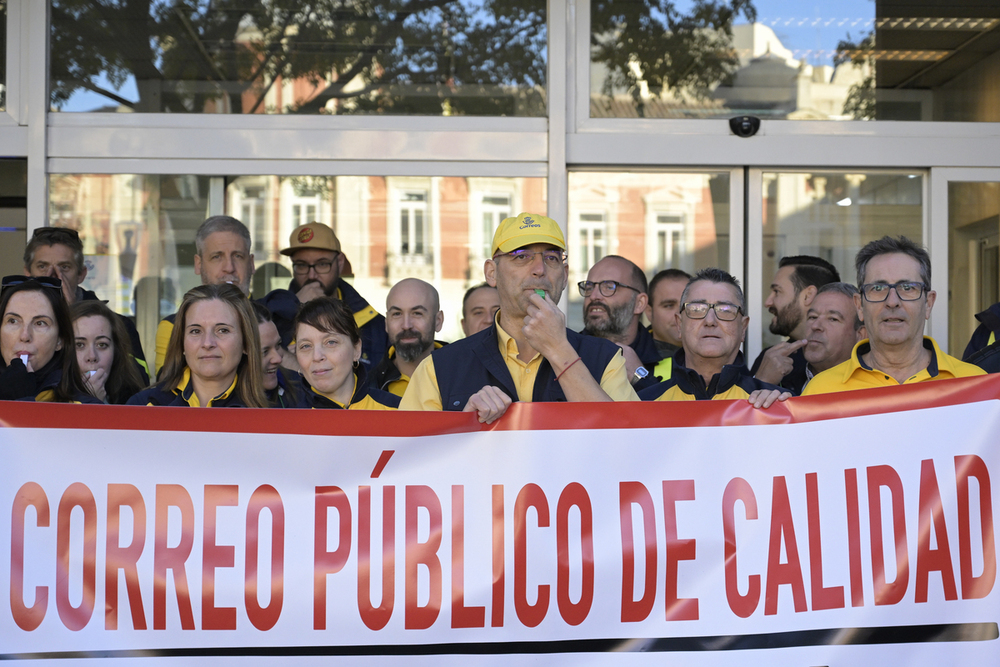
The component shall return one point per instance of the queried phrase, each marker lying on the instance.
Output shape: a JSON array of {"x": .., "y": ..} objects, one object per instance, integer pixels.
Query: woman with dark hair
[
  {"x": 104, "y": 353},
  {"x": 328, "y": 349},
  {"x": 36, "y": 343},
  {"x": 213, "y": 357},
  {"x": 282, "y": 387}
]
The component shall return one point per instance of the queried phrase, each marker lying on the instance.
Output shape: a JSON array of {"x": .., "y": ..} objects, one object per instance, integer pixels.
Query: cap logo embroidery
[
  {"x": 305, "y": 235},
  {"x": 528, "y": 222}
]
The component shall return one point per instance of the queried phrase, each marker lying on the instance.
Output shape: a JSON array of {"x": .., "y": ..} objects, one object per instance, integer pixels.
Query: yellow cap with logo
[{"x": 526, "y": 229}]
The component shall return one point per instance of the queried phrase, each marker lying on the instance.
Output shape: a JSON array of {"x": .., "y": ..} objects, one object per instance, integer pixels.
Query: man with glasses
[
  {"x": 57, "y": 252},
  {"x": 528, "y": 354},
  {"x": 709, "y": 366},
  {"x": 614, "y": 299},
  {"x": 318, "y": 267},
  {"x": 222, "y": 255},
  {"x": 895, "y": 300}
]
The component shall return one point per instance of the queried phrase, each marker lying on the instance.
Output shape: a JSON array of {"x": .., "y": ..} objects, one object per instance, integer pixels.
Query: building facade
[{"x": 413, "y": 136}]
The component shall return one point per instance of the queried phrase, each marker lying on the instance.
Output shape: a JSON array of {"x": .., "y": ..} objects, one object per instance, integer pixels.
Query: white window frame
[{"x": 228, "y": 145}]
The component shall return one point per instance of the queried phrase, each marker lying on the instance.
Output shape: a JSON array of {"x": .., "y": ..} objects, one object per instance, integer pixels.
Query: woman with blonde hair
[
  {"x": 213, "y": 357},
  {"x": 104, "y": 353}
]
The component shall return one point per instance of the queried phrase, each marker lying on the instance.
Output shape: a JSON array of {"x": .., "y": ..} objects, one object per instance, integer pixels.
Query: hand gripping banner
[{"x": 825, "y": 530}]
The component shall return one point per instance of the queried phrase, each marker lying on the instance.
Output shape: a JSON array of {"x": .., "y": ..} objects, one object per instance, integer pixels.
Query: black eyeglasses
[
  {"x": 322, "y": 267},
  {"x": 906, "y": 290},
  {"x": 726, "y": 312},
  {"x": 607, "y": 287},
  {"x": 44, "y": 281}
]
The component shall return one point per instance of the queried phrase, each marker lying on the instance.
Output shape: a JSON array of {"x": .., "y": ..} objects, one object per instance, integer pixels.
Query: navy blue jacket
[
  {"x": 466, "y": 366},
  {"x": 374, "y": 339},
  {"x": 735, "y": 376},
  {"x": 796, "y": 379}
]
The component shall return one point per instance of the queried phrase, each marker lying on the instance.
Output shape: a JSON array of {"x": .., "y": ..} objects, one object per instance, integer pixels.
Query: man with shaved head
[{"x": 412, "y": 317}]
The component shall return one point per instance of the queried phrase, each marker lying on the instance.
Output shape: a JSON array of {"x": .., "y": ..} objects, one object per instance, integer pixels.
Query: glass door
[
  {"x": 825, "y": 213},
  {"x": 969, "y": 199}
]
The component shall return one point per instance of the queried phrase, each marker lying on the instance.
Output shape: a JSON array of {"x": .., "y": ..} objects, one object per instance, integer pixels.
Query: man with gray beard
[
  {"x": 412, "y": 317},
  {"x": 614, "y": 299}
]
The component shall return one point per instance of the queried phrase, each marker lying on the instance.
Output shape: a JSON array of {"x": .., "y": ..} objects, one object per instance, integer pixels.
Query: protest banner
[{"x": 822, "y": 531}]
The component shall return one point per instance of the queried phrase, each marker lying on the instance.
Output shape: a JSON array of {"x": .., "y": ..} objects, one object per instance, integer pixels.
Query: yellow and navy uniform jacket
[
  {"x": 17, "y": 384},
  {"x": 983, "y": 349},
  {"x": 986, "y": 333},
  {"x": 163, "y": 332},
  {"x": 371, "y": 325},
  {"x": 450, "y": 376},
  {"x": 183, "y": 395},
  {"x": 685, "y": 384},
  {"x": 388, "y": 378},
  {"x": 644, "y": 346},
  {"x": 855, "y": 374},
  {"x": 365, "y": 397},
  {"x": 290, "y": 392}
]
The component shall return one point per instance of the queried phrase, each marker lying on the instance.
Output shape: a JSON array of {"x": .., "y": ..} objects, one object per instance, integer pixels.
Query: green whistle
[{"x": 540, "y": 292}]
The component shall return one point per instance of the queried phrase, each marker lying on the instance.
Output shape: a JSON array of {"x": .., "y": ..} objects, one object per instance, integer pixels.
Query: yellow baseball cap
[
  {"x": 526, "y": 229},
  {"x": 316, "y": 236}
]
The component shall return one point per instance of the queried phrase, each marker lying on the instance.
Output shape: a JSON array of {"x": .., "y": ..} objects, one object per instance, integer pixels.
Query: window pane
[
  {"x": 659, "y": 221},
  {"x": 387, "y": 57},
  {"x": 832, "y": 215},
  {"x": 853, "y": 60},
  {"x": 973, "y": 257},
  {"x": 3, "y": 54},
  {"x": 138, "y": 239},
  {"x": 162, "y": 214}
]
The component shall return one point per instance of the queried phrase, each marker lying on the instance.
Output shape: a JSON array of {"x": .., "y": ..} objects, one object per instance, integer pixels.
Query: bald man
[{"x": 413, "y": 315}]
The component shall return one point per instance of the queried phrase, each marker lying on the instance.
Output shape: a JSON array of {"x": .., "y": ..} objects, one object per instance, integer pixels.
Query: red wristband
[{"x": 567, "y": 368}]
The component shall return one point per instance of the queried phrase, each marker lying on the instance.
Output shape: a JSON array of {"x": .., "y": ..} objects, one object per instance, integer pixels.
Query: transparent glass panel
[
  {"x": 3, "y": 54},
  {"x": 449, "y": 57},
  {"x": 973, "y": 257},
  {"x": 138, "y": 232},
  {"x": 657, "y": 220},
  {"x": 13, "y": 214},
  {"x": 138, "y": 238},
  {"x": 849, "y": 60},
  {"x": 832, "y": 215}
]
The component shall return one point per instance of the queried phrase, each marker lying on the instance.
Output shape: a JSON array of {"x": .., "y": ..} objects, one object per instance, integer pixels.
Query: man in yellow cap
[
  {"x": 318, "y": 264},
  {"x": 528, "y": 354}
]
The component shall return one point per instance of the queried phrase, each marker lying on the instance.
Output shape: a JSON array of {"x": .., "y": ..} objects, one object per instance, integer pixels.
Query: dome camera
[{"x": 744, "y": 126}]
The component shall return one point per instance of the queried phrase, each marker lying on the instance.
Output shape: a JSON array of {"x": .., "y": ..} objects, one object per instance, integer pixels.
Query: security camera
[{"x": 744, "y": 126}]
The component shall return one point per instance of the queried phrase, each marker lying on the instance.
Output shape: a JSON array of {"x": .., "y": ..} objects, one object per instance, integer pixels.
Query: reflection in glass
[
  {"x": 138, "y": 231},
  {"x": 138, "y": 238},
  {"x": 850, "y": 60},
  {"x": 973, "y": 257},
  {"x": 832, "y": 215},
  {"x": 657, "y": 220},
  {"x": 450, "y": 57},
  {"x": 3, "y": 54}
]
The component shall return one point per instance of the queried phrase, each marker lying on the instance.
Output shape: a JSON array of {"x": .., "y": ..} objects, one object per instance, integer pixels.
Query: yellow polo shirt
[
  {"x": 854, "y": 374},
  {"x": 422, "y": 393}
]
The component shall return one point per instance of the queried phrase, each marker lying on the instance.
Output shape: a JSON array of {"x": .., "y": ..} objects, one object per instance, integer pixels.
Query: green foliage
[
  {"x": 369, "y": 56},
  {"x": 654, "y": 42}
]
